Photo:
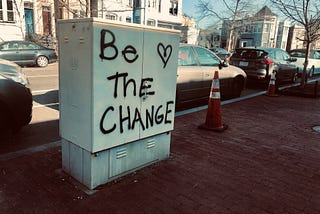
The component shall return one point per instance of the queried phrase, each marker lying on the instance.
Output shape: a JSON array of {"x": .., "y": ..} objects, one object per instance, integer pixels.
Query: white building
[
  {"x": 25, "y": 18},
  {"x": 189, "y": 31},
  {"x": 160, "y": 13},
  {"x": 283, "y": 32}
]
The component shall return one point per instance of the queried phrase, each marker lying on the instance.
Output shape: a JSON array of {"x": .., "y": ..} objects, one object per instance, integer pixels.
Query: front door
[
  {"x": 46, "y": 18},
  {"x": 28, "y": 16}
]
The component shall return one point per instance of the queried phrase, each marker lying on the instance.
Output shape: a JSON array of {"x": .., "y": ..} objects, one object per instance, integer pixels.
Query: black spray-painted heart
[{"x": 164, "y": 53}]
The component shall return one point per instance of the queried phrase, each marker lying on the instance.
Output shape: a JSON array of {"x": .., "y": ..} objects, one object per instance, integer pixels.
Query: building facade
[
  {"x": 25, "y": 19},
  {"x": 12, "y": 24},
  {"x": 283, "y": 33},
  {"x": 189, "y": 31},
  {"x": 260, "y": 30},
  {"x": 159, "y": 13}
]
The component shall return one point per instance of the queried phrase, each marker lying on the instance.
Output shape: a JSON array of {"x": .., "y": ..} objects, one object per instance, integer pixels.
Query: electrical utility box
[{"x": 117, "y": 86}]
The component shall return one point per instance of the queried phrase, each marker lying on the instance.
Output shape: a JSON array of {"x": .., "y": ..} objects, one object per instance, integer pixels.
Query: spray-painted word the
[{"x": 144, "y": 86}]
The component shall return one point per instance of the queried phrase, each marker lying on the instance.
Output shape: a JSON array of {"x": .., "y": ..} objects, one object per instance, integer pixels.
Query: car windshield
[{"x": 186, "y": 57}]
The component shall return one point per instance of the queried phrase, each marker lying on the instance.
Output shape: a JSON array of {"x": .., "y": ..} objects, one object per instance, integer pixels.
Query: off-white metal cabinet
[{"x": 117, "y": 86}]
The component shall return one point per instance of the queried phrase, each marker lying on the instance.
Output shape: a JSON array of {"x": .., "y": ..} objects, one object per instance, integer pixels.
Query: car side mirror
[{"x": 223, "y": 64}]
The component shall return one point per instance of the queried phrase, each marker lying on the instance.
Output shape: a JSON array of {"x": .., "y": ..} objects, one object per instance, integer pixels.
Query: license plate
[{"x": 243, "y": 63}]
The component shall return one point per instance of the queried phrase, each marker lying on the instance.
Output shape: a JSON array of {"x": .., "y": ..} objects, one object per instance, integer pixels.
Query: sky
[{"x": 189, "y": 8}]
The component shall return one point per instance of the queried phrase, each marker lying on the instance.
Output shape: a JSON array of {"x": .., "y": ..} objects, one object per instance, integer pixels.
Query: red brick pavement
[{"x": 268, "y": 161}]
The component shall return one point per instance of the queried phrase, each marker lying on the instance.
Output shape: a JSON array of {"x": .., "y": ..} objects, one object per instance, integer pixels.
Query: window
[
  {"x": 186, "y": 57},
  {"x": 159, "y": 6},
  {"x": 10, "y": 46},
  {"x": 173, "y": 10},
  {"x": 1, "y": 11},
  {"x": 128, "y": 19},
  {"x": 266, "y": 28},
  {"x": 206, "y": 58},
  {"x": 6, "y": 11},
  {"x": 151, "y": 22},
  {"x": 111, "y": 17},
  {"x": 136, "y": 4},
  {"x": 27, "y": 45},
  {"x": 10, "y": 10}
]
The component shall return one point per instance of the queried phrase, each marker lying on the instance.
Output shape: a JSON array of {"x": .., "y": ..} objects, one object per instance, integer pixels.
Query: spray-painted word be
[{"x": 129, "y": 53}]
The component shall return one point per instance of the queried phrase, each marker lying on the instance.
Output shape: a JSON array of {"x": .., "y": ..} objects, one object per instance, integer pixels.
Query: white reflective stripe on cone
[
  {"x": 215, "y": 83},
  {"x": 215, "y": 95}
]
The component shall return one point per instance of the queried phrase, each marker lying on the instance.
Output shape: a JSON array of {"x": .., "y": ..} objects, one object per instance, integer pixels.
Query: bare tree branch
[{"x": 307, "y": 14}]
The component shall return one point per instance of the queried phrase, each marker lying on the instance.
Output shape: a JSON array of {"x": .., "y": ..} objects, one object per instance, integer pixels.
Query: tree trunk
[{"x": 305, "y": 65}]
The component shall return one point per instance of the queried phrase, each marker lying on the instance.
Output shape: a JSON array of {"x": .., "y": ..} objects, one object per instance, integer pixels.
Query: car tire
[
  {"x": 42, "y": 61},
  {"x": 311, "y": 72},
  {"x": 237, "y": 87},
  {"x": 294, "y": 77}
]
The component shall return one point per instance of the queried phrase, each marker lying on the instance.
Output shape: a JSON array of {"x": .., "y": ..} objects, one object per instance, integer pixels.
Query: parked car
[
  {"x": 27, "y": 53},
  {"x": 313, "y": 61},
  {"x": 196, "y": 67},
  {"x": 221, "y": 53},
  {"x": 259, "y": 63},
  {"x": 15, "y": 97}
]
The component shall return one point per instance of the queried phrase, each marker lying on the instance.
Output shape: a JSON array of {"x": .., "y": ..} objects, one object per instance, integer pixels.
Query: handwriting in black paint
[
  {"x": 164, "y": 53},
  {"x": 129, "y": 53},
  {"x": 134, "y": 117}
]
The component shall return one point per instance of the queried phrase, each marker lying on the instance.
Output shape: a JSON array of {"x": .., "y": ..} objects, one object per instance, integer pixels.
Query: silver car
[
  {"x": 313, "y": 61},
  {"x": 196, "y": 67}
]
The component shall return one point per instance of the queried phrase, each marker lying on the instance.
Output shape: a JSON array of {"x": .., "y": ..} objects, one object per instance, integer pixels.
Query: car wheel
[
  {"x": 311, "y": 72},
  {"x": 294, "y": 77},
  {"x": 237, "y": 87},
  {"x": 42, "y": 61}
]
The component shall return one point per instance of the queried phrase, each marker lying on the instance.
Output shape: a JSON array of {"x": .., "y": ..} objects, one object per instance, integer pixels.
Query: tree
[
  {"x": 235, "y": 10},
  {"x": 305, "y": 13}
]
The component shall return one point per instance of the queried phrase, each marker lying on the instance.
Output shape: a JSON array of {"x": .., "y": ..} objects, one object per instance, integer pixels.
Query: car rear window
[{"x": 250, "y": 54}]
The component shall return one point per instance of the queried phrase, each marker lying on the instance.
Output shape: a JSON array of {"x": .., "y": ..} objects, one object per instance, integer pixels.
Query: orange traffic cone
[
  {"x": 213, "y": 118},
  {"x": 272, "y": 86}
]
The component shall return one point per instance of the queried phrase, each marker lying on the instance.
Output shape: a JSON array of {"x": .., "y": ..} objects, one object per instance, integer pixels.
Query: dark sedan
[
  {"x": 27, "y": 53},
  {"x": 15, "y": 97},
  {"x": 259, "y": 63}
]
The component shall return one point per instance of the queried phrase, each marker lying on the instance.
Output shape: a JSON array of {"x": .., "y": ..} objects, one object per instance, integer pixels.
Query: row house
[
  {"x": 159, "y": 13},
  {"x": 260, "y": 30},
  {"x": 24, "y": 19},
  {"x": 263, "y": 29}
]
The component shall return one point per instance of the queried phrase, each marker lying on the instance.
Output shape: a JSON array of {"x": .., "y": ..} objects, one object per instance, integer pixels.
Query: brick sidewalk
[{"x": 268, "y": 161}]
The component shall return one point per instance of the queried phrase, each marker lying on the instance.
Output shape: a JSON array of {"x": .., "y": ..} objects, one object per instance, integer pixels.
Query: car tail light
[{"x": 267, "y": 61}]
